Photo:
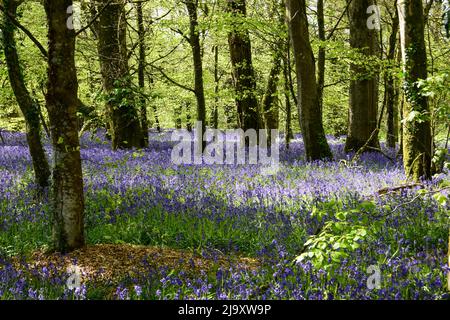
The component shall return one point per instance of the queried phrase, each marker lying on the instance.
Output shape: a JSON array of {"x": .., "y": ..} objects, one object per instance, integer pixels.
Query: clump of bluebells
[{"x": 141, "y": 197}]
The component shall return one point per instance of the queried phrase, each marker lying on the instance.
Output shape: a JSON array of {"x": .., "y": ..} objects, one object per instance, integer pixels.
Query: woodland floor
[{"x": 113, "y": 262}]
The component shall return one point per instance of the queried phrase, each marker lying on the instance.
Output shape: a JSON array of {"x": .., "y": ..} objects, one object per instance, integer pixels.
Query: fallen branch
[
  {"x": 418, "y": 196},
  {"x": 365, "y": 146},
  {"x": 399, "y": 188}
]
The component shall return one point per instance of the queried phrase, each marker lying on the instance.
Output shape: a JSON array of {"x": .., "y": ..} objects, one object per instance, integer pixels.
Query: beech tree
[
  {"x": 364, "y": 85},
  {"x": 311, "y": 124},
  {"x": 194, "y": 41},
  {"x": 243, "y": 72},
  {"x": 62, "y": 102},
  {"x": 269, "y": 103},
  {"x": 111, "y": 29}
]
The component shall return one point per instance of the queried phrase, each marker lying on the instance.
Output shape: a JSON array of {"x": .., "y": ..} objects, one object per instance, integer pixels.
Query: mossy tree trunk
[
  {"x": 321, "y": 57},
  {"x": 125, "y": 126},
  {"x": 27, "y": 104},
  {"x": 270, "y": 102},
  {"x": 62, "y": 102},
  {"x": 141, "y": 73},
  {"x": 417, "y": 139},
  {"x": 242, "y": 65}
]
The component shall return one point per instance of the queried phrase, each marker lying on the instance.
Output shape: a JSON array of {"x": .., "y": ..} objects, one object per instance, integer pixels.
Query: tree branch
[
  {"x": 26, "y": 31},
  {"x": 171, "y": 80},
  {"x": 185, "y": 37},
  {"x": 330, "y": 35},
  {"x": 94, "y": 19}
]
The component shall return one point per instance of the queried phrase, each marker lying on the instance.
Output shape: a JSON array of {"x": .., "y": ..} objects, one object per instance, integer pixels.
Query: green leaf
[
  {"x": 441, "y": 199},
  {"x": 341, "y": 215},
  {"x": 368, "y": 205}
]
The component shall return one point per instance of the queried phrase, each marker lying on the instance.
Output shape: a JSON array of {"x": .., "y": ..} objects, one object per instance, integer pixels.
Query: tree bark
[
  {"x": 288, "y": 127},
  {"x": 125, "y": 127},
  {"x": 391, "y": 91},
  {"x": 270, "y": 107},
  {"x": 194, "y": 38},
  {"x": 446, "y": 21},
  {"x": 448, "y": 259},
  {"x": 215, "y": 113},
  {"x": 62, "y": 102},
  {"x": 189, "y": 126},
  {"x": 364, "y": 89},
  {"x": 288, "y": 89},
  {"x": 417, "y": 139},
  {"x": 315, "y": 141},
  {"x": 29, "y": 107},
  {"x": 155, "y": 109},
  {"x": 321, "y": 59},
  {"x": 242, "y": 65},
  {"x": 141, "y": 73},
  {"x": 178, "y": 120},
  {"x": 269, "y": 103}
]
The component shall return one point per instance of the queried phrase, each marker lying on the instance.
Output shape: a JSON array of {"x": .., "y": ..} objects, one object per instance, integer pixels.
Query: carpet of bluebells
[{"x": 140, "y": 197}]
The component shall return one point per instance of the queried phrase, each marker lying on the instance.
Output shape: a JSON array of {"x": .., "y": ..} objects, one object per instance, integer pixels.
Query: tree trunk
[
  {"x": 62, "y": 88},
  {"x": 125, "y": 127},
  {"x": 189, "y": 126},
  {"x": 178, "y": 120},
  {"x": 391, "y": 91},
  {"x": 288, "y": 89},
  {"x": 215, "y": 113},
  {"x": 270, "y": 107},
  {"x": 27, "y": 104},
  {"x": 230, "y": 116},
  {"x": 141, "y": 73},
  {"x": 448, "y": 261},
  {"x": 243, "y": 72},
  {"x": 402, "y": 104},
  {"x": 364, "y": 89},
  {"x": 288, "y": 128},
  {"x": 417, "y": 139},
  {"x": 194, "y": 37},
  {"x": 158, "y": 125},
  {"x": 155, "y": 110},
  {"x": 322, "y": 54},
  {"x": 269, "y": 103},
  {"x": 288, "y": 62},
  {"x": 315, "y": 141},
  {"x": 446, "y": 8}
]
